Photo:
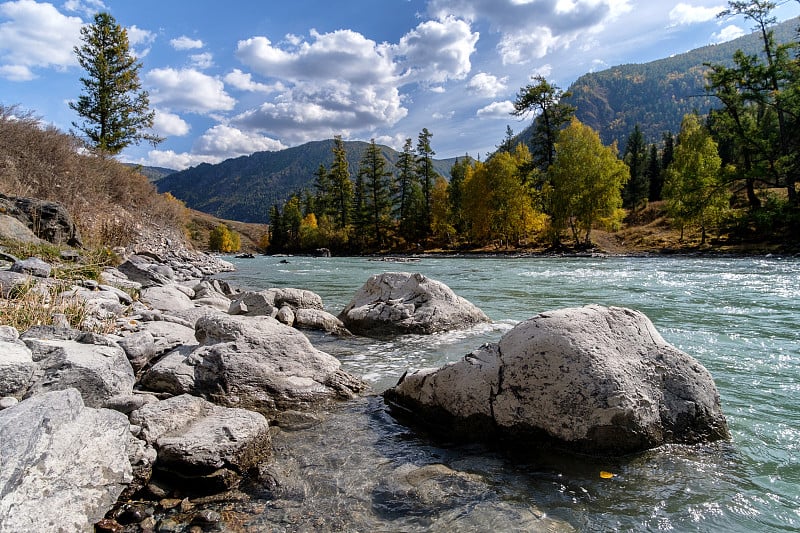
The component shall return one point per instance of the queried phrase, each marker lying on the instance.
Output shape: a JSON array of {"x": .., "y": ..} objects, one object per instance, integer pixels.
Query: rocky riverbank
[{"x": 176, "y": 382}]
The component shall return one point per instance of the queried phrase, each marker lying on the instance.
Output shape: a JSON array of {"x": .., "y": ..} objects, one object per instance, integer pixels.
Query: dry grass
[
  {"x": 110, "y": 202},
  {"x": 36, "y": 304}
]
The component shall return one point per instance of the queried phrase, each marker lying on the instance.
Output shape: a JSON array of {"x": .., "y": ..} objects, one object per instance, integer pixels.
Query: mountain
[
  {"x": 152, "y": 173},
  {"x": 244, "y": 188},
  {"x": 658, "y": 94}
]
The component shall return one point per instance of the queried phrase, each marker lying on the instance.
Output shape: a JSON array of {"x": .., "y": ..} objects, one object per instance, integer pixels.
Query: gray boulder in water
[
  {"x": 63, "y": 464},
  {"x": 399, "y": 302},
  {"x": 593, "y": 379}
]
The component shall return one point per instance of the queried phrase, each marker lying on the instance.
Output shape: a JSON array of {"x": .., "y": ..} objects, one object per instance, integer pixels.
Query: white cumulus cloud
[
  {"x": 437, "y": 50},
  {"x": 35, "y": 35},
  {"x": 487, "y": 85},
  {"x": 531, "y": 29},
  {"x": 187, "y": 90},
  {"x": 244, "y": 82},
  {"x": 226, "y": 141},
  {"x": 689, "y": 14},
  {"x": 496, "y": 110},
  {"x": 202, "y": 61},
  {"x": 170, "y": 124},
  {"x": 728, "y": 33},
  {"x": 186, "y": 43}
]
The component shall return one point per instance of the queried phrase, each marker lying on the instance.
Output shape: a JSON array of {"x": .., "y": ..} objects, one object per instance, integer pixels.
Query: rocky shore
[{"x": 172, "y": 387}]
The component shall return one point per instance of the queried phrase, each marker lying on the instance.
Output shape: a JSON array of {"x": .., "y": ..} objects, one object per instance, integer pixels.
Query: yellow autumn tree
[
  {"x": 497, "y": 202},
  {"x": 222, "y": 239}
]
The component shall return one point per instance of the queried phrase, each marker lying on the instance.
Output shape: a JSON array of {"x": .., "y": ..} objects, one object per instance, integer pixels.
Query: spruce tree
[
  {"x": 426, "y": 175},
  {"x": 406, "y": 174},
  {"x": 341, "y": 184},
  {"x": 638, "y": 188},
  {"x": 113, "y": 105}
]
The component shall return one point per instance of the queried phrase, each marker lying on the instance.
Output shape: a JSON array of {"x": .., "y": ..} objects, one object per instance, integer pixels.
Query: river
[{"x": 738, "y": 316}]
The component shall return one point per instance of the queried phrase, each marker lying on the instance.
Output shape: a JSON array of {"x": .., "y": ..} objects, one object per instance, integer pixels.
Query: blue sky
[{"x": 231, "y": 78}]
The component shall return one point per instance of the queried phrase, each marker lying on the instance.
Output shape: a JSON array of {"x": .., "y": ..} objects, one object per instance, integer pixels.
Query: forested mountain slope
[
  {"x": 658, "y": 94},
  {"x": 244, "y": 188}
]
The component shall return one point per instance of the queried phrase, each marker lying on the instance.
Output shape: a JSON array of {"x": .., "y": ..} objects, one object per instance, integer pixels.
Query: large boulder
[
  {"x": 260, "y": 364},
  {"x": 593, "y": 379},
  {"x": 201, "y": 445},
  {"x": 13, "y": 229},
  {"x": 398, "y": 302},
  {"x": 168, "y": 298},
  {"x": 49, "y": 220},
  {"x": 97, "y": 367},
  {"x": 63, "y": 464}
]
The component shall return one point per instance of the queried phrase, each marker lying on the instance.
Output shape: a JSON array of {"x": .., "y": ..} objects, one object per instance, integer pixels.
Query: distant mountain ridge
[
  {"x": 656, "y": 95},
  {"x": 246, "y": 187}
]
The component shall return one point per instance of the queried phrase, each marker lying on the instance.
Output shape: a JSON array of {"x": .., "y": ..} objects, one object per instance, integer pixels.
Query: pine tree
[
  {"x": 372, "y": 170},
  {"x": 341, "y": 184},
  {"x": 654, "y": 174},
  {"x": 458, "y": 173},
  {"x": 543, "y": 99},
  {"x": 113, "y": 105},
  {"x": 406, "y": 174},
  {"x": 638, "y": 188},
  {"x": 426, "y": 175}
]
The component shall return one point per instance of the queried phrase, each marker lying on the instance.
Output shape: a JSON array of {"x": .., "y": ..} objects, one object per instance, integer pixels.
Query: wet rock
[
  {"x": 594, "y": 379},
  {"x": 63, "y": 464},
  {"x": 398, "y": 302},
  {"x": 202, "y": 445}
]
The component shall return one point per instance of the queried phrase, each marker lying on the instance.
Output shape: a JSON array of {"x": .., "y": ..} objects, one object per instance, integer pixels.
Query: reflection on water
[{"x": 359, "y": 470}]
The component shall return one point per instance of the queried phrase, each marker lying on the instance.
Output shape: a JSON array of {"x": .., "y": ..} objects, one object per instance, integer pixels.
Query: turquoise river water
[{"x": 738, "y": 316}]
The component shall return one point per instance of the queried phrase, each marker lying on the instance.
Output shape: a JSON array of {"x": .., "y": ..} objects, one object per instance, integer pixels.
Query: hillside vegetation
[
  {"x": 656, "y": 95},
  {"x": 112, "y": 204}
]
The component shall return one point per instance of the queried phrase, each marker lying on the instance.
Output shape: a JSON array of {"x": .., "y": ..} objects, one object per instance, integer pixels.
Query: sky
[{"x": 227, "y": 79}]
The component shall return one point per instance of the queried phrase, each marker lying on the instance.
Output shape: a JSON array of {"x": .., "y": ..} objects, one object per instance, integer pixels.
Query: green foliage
[
  {"x": 341, "y": 185},
  {"x": 426, "y": 173},
  {"x": 222, "y": 239},
  {"x": 113, "y": 105},
  {"x": 638, "y": 187},
  {"x": 586, "y": 180},
  {"x": 693, "y": 190},
  {"x": 376, "y": 201}
]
